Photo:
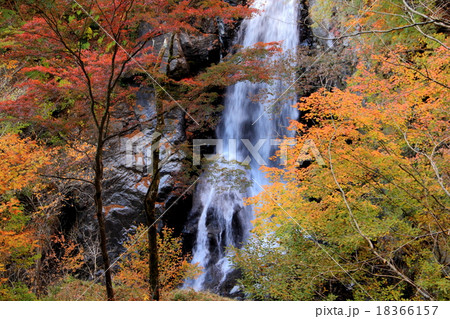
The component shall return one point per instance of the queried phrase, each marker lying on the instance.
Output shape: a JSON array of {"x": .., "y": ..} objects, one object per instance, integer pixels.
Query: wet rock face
[
  {"x": 127, "y": 161},
  {"x": 127, "y": 156},
  {"x": 218, "y": 239},
  {"x": 200, "y": 51},
  {"x": 304, "y": 24},
  {"x": 193, "y": 53}
]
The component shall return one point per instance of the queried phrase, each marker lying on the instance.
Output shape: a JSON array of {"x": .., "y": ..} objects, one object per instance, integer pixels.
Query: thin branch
[
  {"x": 445, "y": 232},
  {"x": 391, "y": 265},
  {"x": 420, "y": 73},
  {"x": 68, "y": 178},
  {"x": 430, "y": 159},
  {"x": 375, "y": 31},
  {"x": 435, "y": 21},
  {"x": 418, "y": 28}
]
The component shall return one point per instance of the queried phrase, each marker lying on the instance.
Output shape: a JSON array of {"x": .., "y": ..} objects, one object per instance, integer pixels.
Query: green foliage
[
  {"x": 389, "y": 18},
  {"x": 17, "y": 292},
  {"x": 192, "y": 295},
  {"x": 276, "y": 268},
  {"x": 71, "y": 289}
]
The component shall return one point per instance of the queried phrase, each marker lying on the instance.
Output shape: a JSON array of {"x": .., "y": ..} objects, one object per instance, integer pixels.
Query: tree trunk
[
  {"x": 152, "y": 192},
  {"x": 150, "y": 202},
  {"x": 38, "y": 278},
  {"x": 98, "y": 178}
]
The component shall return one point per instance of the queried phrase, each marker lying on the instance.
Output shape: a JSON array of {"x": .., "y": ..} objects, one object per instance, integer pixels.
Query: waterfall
[{"x": 224, "y": 220}]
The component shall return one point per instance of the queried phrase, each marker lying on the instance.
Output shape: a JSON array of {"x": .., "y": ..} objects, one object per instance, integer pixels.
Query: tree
[
  {"x": 174, "y": 268},
  {"x": 373, "y": 222},
  {"x": 20, "y": 163},
  {"x": 80, "y": 56}
]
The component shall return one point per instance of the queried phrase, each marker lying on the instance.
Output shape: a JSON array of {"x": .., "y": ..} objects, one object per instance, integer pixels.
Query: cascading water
[{"x": 224, "y": 220}]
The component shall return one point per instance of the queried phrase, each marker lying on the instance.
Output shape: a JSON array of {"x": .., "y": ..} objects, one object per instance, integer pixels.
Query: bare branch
[
  {"x": 435, "y": 21},
  {"x": 68, "y": 178},
  {"x": 430, "y": 159},
  {"x": 375, "y": 31}
]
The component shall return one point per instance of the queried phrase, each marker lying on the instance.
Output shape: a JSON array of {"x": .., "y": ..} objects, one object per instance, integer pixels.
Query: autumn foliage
[
  {"x": 372, "y": 223},
  {"x": 174, "y": 268},
  {"x": 20, "y": 162},
  {"x": 369, "y": 221}
]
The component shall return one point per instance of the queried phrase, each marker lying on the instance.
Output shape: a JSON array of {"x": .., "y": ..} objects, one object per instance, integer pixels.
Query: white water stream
[{"x": 224, "y": 220}]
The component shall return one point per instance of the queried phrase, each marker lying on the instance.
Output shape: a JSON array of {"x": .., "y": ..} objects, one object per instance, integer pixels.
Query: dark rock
[
  {"x": 178, "y": 67},
  {"x": 304, "y": 24},
  {"x": 126, "y": 173},
  {"x": 200, "y": 51}
]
